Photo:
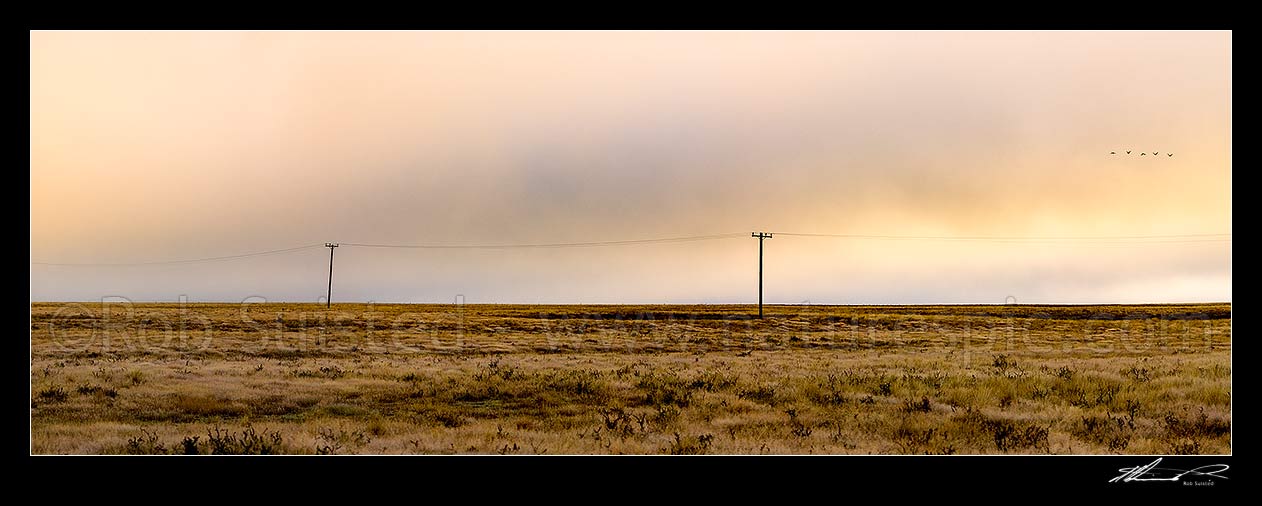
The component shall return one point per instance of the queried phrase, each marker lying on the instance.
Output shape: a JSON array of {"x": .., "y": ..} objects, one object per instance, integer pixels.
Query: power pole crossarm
[
  {"x": 761, "y": 236},
  {"x": 328, "y": 297}
]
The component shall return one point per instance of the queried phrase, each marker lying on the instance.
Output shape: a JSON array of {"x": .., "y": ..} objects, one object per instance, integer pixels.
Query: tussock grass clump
[
  {"x": 1187, "y": 434},
  {"x": 689, "y": 445},
  {"x": 332, "y": 442},
  {"x": 329, "y": 372},
  {"x": 250, "y": 442},
  {"x": 1112, "y": 432},
  {"x": 218, "y": 442},
  {"x": 920, "y": 406},
  {"x": 53, "y": 394},
  {"x": 765, "y": 394},
  {"x": 1006, "y": 435},
  {"x": 662, "y": 389},
  {"x": 97, "y": 390}
]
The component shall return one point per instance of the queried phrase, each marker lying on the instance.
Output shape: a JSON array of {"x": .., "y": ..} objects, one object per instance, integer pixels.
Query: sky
[{"x": 157, "y": 146}]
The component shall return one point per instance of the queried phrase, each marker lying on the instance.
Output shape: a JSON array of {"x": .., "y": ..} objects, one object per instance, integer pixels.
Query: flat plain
[{"x": 159, "y": 378}]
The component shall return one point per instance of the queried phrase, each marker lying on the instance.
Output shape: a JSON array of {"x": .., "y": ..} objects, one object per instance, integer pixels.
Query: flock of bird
[{"x": 1141, "y": 153}]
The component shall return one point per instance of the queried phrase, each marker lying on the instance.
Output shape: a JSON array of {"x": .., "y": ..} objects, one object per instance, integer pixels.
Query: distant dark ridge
[
  {"x": 639, "y": 315},
  {"x": 1084, "y": 314}
]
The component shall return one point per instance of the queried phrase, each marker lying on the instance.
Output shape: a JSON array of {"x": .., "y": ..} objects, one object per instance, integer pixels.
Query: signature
[{"x": 1151, "y": 472}]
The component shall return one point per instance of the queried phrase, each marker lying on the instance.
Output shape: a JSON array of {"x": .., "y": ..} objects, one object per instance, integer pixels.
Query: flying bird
[
  {"x": 1128, "y": 152},
  {"x": 1142, "y": 154},
  {"x": 1169, "y": 154},
  {"x": 1112, "y": 152},
  {"x": 1154, "y": 153}
]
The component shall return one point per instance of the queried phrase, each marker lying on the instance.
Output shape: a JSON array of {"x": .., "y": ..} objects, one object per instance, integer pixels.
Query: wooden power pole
[
  {"x": 760, "y": 236},
  {"x": 328, "y": 297}
]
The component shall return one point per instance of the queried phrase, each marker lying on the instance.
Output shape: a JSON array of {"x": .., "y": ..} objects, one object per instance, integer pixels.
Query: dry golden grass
[{"x": 384, "y": 379}]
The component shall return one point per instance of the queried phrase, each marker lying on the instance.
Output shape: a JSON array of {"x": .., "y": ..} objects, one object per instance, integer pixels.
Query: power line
[
  {"x": 188, "y": 261},
  {"x": 1123, "y": 239},
  {"x": 411, "y": 246},
  {"x": 1119, "y": 239},
  {"x": 550, "y": 245}
]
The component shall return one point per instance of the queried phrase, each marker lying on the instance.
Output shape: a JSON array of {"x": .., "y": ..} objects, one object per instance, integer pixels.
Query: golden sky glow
[{"x": 168, "y": 145}]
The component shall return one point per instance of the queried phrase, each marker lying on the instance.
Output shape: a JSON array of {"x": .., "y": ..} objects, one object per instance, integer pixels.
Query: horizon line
[{"x": 1188, "y": 303}]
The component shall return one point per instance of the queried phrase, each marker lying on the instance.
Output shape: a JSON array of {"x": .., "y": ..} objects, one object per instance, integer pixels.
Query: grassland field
[{"x": 152, "y": 378}]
